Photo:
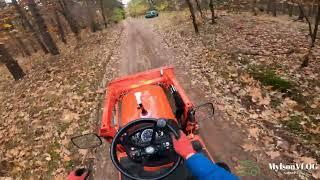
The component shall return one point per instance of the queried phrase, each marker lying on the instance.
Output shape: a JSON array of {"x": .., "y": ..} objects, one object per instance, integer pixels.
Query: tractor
[{"x": 142, "y": 112}]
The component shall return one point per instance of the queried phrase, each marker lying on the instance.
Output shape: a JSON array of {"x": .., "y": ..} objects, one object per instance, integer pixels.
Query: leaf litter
[
  {"x": 41, "y": 112},
  {"x": 250, "y": 67}
]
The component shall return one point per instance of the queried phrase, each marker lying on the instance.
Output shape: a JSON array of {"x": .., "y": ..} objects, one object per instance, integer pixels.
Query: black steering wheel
[{"x": 141, "y": 152}]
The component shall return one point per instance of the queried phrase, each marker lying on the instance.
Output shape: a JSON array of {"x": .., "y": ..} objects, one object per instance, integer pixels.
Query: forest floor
[
  {"x": 55, "y": 101},
  {"x": 267, "y": 107},
  {"x": 250, "y": 67}
]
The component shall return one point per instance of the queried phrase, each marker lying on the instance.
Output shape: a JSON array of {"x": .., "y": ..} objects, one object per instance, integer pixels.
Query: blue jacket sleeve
[{"x": 202, "y": 168}]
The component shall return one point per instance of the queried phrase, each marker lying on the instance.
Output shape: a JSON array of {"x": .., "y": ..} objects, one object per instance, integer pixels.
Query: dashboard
[{"x": 145, "y": 136}]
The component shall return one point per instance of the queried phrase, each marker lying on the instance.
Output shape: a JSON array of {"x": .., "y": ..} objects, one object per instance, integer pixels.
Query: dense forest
[{"x": 30, "y": 26}]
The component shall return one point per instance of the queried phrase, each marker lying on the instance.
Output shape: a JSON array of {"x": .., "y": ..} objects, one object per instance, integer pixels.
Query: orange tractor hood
[
  {"x": 154, "y": 101},
  {"x": 121, "y": 106}
]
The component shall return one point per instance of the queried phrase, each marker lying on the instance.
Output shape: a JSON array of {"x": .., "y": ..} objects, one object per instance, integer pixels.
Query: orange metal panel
[
  {"x": 119, "y": 87},
  {"x": 154, "y": 101}
]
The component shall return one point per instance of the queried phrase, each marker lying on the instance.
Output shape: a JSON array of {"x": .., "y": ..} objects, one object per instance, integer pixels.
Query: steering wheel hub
[{"x": 150, "y": 150}]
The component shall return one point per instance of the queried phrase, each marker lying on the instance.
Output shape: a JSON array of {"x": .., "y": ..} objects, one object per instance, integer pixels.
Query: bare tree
[
  {"x": 65, "y": 11},
  {"x": 60, "y": 27},
  {"x": 199, "y": 8},
  {"x": 301, "y": 12},
  {"x": 12, "y": 65},
  {"x": 312, "y": 32},
  {"x": 43, "y": 29},
  {"x": 193, "y": 17},
  {"x": 312, "y": 7},
  {"x": 29, "y": 25},
  {"x": 91, "y": 14},
  {"x": 269, "y": 4},
  {"x": 212, "y": 12},
  {"x": 103, "y": 13},
  {"x": 290, "y": 9},
  {"x": 33, "y": 45},
  {"x": 254, "y": 7},
  {"x": 274, "y": 8},
  {"x": 23, "y": 46}
]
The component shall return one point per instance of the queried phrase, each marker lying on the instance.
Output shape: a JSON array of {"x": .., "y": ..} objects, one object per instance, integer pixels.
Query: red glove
[
  {"x": 79, "y": 174},
  {"x": 183, "y": 146}
]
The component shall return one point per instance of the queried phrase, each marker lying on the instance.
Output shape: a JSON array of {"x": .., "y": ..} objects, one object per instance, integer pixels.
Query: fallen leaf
[
  {"x": 48, "y": 158},
  {"x": 59, "y": 176},
  {"x": 66, "y": 158},
  {"x": 254, "y": 132},
  {"x": 255, "y": 94},
  {"x": 288, "y": 103},
  {"x": 307, "y": 160},
  {"x": 273, "y": 154},
  {"x": 316, "y": 174},
  {"x": 69, "y": 116},
  {"x": 249, "y": 147},
  {"x": 254, "y": 116},
  {"x": 83, "y": 152},
  {"x": 265, "y": 101}
]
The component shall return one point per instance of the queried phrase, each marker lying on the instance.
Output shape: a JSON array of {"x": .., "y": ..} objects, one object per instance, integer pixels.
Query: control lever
[{"x": 161, "y": 123}]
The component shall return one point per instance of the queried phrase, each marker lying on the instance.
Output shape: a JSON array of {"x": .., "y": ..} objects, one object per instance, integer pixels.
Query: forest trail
[
  {"x": 261, "y": 71},
  {"x": 141, "y": 49}
]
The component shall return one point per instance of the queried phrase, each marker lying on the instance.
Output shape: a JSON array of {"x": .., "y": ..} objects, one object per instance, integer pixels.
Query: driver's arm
[{"x": 199, "y": 165}]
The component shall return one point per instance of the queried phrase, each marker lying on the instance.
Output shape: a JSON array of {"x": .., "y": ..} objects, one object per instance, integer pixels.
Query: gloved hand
[
  {"x": 183, "y": 146},
  {"x": 79, "y": 174}
]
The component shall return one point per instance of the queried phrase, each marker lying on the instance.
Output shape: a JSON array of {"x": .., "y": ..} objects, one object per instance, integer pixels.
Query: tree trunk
[
  {"x": 23, "y": 46},
  {"x": 312, "y": 7},
  {"x": 103, "y": 13},
  {"x": 237, "y": 6},
  {"x": 70, "y": 19},
  {"x": 312, "y": 33},
  {"x": 309, "y": 10},
  {"x": 61, "y": 31},
  {"x": 91, "y": 14},
  {"x": 193, "y": 17},
  {"x": 33, "y": 45},
  {"x": 290, "y": 9},
  {"x": 315, "y": 30},
  {"x": 254, "y": 4},
  {"x": 47, "y": 39},
  {"x": 269, "y": 6},
  {"x": 274, "y": 8},
  {"x": 283, "y": 9},
  {"x": 301, "y": 13},
  {"x": 29, "y": 25},
  {"x": 212, "y": 11},
  {"x": 12, "y": 65},
  {"x": 199, "y": 7}
]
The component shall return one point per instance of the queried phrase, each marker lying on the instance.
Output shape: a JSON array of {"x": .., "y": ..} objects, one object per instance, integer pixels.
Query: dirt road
[{"x": 141, "y": 49}]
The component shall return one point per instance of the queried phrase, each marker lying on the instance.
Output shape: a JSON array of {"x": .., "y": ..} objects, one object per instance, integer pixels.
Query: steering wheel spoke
[{"x": 154, "y": 134}]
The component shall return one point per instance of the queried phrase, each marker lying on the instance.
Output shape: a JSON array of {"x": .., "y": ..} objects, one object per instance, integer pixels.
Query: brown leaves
[
  {"x": 249, "y": 147},
  {"x": 273, "y": 154},
  {"x": 257, "y": 97},
  {"x": 288, "y": 103},
  {"x": 306, "y": 160},
  {"x": 69, "y": 116},
  {"x": 42, "y": 111},
  {"x": 255, "y": 93},
  {"x": 254, "y": 132}
]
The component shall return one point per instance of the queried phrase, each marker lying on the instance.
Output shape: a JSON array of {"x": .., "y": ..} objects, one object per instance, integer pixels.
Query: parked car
[{"x": 152, "y": 14}]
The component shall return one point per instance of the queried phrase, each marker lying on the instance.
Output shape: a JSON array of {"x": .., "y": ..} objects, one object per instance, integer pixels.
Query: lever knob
[{"x": 161, "y": 123}]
